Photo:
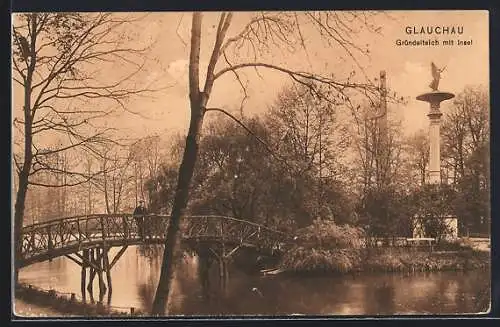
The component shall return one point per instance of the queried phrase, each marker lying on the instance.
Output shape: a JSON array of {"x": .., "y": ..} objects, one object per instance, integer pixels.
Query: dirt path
[{"x": 25, "y": 309}]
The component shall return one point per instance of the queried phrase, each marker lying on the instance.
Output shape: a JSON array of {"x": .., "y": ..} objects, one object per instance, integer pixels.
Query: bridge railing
[
  {"x": 233, "y": 230},
  {"x": 78, "y": 231}
]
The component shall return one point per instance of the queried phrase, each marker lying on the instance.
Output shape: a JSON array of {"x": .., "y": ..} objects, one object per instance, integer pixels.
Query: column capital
[{"x": 434, "y": 116}]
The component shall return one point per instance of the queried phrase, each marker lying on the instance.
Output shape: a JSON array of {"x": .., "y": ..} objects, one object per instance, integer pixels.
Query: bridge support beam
[
  {"x": 209, "y": 253},
  {"x": 96, "y": 261},
  {"x": 92, "y": 271},
  {"x": 204, "y": 264},
  {"x": 107, "y": 268},
  {"x": 222, "y": 255},
  {"x": 84, "y": 266},
  {"x": 223, "y": 273},
  {"x": 99, "y": 254}
]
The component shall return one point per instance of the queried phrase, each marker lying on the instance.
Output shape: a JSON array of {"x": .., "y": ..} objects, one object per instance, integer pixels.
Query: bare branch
[
  {"x": 302, "y": 41},
  {"x": 318, "y": 78},
  {"x": 177, "y": 31},
  {"x": 86, "y": 140},
  {"x": 244, "y": 33},
  {"x": 224, "y": 23},
  {"x": 17, "y": 164},
  {"x": 245, "y": 97},
  {"x": 340, "y": 40},
  {"x": 60, "y": 185}
]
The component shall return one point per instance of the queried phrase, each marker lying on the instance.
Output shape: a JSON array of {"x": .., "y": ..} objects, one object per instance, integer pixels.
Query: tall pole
[
  {"x": 382, "y": 144},
  {"x": 383, "y": 108},
  {"x": 320, "y": 196}
]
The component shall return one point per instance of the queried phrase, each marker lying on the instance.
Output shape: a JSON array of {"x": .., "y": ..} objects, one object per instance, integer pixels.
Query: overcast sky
[{"x": 407, "y": 67}]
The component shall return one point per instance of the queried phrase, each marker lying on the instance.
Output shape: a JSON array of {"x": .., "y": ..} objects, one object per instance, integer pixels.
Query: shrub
[
  {"x": 325, "y": 234},
  {"x": 325, "y": 247}
]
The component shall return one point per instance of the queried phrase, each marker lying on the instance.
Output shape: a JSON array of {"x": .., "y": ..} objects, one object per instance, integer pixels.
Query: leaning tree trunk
[{"x": 171, "y": 253}]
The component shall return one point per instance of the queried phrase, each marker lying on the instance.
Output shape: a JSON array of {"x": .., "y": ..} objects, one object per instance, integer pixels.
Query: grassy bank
[
  {"x": 303, "y": 260},
  {"x": 66, "y": 305},
  {"x": 327, "y": 248},
  {"x": 413, "y": 261}
]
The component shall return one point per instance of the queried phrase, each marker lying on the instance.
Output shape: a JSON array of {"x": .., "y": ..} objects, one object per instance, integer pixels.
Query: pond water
[{"x": 136, "y": 274}]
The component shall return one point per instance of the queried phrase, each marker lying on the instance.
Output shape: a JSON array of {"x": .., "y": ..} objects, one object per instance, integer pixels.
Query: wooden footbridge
[
  {"x": 86, "y": 240},
  {"x": 68, "y": 236}
]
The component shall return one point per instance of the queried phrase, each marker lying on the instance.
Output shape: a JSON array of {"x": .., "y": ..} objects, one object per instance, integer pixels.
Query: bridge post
[
  {"x": 125, "y": 228},
  {"x": 99, "y": 264},
  {"x": 97, "y": 261},
  {"x": 79, "y": 234},
  {"x": 223, "y": 262},
  {"x": 92, "y": 273},
  {"x": 103, "y": 230},
  {"x": 32, "y": 241},
  {"x": 50, "y": 246},
  {"x": 107, "y": 268},
  {"x": 85, "y": 255},
  {"x": 204, "y": 263},
  {"x": 223, "y": 273}
]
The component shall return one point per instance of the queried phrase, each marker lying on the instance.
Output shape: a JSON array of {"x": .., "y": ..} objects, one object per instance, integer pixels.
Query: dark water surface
[{"x": 136, "y": 274}]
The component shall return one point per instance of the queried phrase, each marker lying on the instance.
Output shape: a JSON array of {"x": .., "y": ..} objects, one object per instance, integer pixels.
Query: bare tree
[
  {"x": 116, "y": 175},
  {"x": 146, "y": 154},
  {"x": 44, "y": 204},
  {"x": 309, "y": 130},
  {"x": 466, "y": 147},
  {"x": 264, "y": 30},
  {"x": 55, "y": 56},
  {"x": 466, "y": 128},
  {"x": 418, "y": 151},
  {"x": 376, "y": 150},
  {"x": 88, "y": 168}
]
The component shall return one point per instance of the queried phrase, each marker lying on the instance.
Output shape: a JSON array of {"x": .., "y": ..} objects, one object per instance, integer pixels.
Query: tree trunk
[
  {"x": 18, "y": 221},
  {"x": 171, "y": 252},
  {"x": 23, "y": 174},
  {"x": 21, "y": 194},
  {"x": 170, "y": 255}
]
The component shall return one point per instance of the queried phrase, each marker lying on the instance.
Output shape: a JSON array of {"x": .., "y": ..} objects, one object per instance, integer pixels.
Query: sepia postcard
[{"x": 242, "y": 164}]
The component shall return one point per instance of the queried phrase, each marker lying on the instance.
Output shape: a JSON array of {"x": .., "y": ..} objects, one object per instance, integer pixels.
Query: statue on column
[{"x": 436, "y": 76}]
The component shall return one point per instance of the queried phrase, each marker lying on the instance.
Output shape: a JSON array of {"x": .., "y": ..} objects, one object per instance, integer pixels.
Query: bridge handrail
[
  {"x": 73, "y": 218},
  {"x": 238, "y": 220},
  {"x": 91, "y": 216}
]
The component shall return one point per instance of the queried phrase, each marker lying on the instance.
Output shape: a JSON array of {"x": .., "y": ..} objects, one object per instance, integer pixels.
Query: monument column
[
  {"x": 434, "y": 99},
  {"x": 434, "y": 144}
]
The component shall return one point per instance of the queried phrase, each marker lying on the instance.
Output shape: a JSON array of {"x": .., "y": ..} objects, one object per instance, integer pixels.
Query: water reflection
[{"x": 136, "y": 274}]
